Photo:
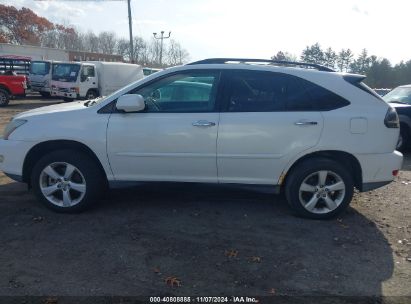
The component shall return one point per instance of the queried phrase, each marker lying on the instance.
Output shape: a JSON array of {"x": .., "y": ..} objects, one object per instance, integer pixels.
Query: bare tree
[
  {"x": 91, "y": 43},
  {"x": 175, "y": 54},
  {"x": 107, "y": 42}
]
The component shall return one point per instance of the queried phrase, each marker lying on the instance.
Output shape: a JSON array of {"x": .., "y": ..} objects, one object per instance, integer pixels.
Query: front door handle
[
  {"x": 203, "y": 123},
  {"x": 305, "y": 123}
]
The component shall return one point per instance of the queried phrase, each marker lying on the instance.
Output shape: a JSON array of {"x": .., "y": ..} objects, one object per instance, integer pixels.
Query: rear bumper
[{"x": 377, "y": 169}]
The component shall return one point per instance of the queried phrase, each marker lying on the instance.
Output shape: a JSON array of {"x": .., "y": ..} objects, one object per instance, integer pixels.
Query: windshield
[
  {"x": 400, "y": 94},
  {"x": 39, "y": 68},
  {"x": 65, "y": 72}
]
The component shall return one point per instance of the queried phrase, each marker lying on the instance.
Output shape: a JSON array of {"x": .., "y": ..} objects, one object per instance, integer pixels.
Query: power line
[{"x": 162, "y": 37}]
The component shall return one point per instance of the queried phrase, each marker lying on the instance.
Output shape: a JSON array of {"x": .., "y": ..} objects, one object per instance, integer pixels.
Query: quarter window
[{"x": 179, "y": 93}]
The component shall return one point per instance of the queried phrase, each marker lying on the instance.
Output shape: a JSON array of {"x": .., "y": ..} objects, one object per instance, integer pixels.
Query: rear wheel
[
  {"x": 319, "y": 188},
  {"x": 67, "y": 181},
  {"x": 4, "y": 98}
]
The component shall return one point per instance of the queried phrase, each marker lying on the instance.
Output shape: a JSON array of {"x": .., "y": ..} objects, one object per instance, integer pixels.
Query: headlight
[
  {"x": 74, "y": 90},
  {"x": 13, "y": 125}
]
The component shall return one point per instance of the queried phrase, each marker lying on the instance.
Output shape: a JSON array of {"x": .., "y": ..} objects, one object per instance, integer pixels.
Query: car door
[
  {"x": 259, "y": 131},
  {"x": 88, "y": 79},
  {"x": 174, "y": 139}
]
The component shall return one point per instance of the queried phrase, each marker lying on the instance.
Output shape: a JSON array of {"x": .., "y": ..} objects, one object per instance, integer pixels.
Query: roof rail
[{"x": 269, "y": 61}]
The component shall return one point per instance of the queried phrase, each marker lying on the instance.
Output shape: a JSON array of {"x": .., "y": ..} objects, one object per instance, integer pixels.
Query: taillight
[{"x": 391, "y": 119}]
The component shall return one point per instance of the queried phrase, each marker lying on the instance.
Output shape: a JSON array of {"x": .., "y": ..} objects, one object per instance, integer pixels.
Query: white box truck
[
  {"x": 40, "y": 76},
  {"x": 90, "y": 79}
]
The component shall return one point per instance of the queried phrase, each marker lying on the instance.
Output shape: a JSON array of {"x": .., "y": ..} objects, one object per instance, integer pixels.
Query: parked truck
[
  {"x": 88, "y": 80},
  {"x": 11, "y": 85},
  {"x": 40, "y": 76}
]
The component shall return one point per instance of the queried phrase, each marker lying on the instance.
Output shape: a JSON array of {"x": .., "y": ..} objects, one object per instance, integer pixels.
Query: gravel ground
[{"x": 206, "y": 239}]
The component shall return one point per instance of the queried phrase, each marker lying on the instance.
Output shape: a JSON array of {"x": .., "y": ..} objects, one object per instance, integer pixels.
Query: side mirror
[
  {"x": 130, "y": 103},
  {"x": 83, "y": 78}
]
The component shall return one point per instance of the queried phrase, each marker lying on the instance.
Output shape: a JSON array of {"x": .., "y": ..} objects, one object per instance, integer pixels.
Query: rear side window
[
  {"x": 257, "y": 91},
  {"x": 251, "y": 91}
]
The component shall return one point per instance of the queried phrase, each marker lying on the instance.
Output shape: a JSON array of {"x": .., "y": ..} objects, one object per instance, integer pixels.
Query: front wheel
[
  {"x": 91, "y": 94},
  {"x": 67, "y": 181},
  {"x": 319, "y": 188}
]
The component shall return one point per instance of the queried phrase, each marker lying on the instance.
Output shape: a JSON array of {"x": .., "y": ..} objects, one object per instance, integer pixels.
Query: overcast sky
[{"x": 245, "y": 28}]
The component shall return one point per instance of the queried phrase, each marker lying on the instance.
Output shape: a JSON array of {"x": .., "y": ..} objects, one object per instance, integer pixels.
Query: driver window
[
  {"x": 87, "y": 71},
  {"x": 179, "y": 93}
]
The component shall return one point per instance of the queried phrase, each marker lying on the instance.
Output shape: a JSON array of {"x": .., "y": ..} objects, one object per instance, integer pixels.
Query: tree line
[
  {"x": 379, "y": 71},
  {"x": 23, "y": 26}
]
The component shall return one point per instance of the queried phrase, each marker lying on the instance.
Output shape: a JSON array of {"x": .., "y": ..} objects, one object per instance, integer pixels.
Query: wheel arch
[
  {"x": 96, "y": 90},
  {"x": 349, "y": 160},
  {"x": 37, "y": 151},
  {"x": 2, "y": 86}
]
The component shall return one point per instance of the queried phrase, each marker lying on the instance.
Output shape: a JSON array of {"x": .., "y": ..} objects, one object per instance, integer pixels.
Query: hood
[{"x": 57, "y": 108}]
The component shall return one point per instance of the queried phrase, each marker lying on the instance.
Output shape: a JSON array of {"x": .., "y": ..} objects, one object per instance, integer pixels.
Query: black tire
[
  {"x": 95, "y": 183},
  {"x": 45, "y": 94},
  {"x": 4, "y": 98},
  {"x": 308, "y": 169},
  {"x": 91, "y": 94},
  {"x": 67, "y": 99},
  {"x": 403, "y": 143}
]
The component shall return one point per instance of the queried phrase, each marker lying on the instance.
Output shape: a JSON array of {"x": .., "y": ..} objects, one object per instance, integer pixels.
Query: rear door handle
[
  {"x": 305, "y": 123},
  {"x": 203, "y": 123}
]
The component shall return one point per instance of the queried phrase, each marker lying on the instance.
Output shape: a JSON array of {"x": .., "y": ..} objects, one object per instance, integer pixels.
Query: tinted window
[
  {"x": 318, "y": 99},
  {"x": 255, "y": 91},
  {"x": 186, "y": 92}
]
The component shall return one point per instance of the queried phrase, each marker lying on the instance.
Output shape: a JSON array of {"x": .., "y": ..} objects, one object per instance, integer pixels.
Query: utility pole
[
  {"x": 131, "y": 32},
  {"x": 161, "y": 43}
]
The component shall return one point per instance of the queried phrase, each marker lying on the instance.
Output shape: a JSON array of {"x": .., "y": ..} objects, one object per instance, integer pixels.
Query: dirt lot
[{"x": 214, "y": 239}]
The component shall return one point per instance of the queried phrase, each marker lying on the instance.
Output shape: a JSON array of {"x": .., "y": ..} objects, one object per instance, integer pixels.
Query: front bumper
[
  {"x": 64, "y": 94},
  {"x": 377, "y": 169},
  {"x": 12, "y": 155},
  {"x": 40, "y": 89}
]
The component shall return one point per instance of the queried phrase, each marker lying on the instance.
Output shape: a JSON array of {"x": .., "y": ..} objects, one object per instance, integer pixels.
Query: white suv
[{"x": 299, "y": 127}]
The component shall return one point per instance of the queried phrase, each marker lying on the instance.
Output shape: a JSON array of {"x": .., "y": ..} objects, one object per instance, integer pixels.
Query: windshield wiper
[{"x": 92, "y": 101}]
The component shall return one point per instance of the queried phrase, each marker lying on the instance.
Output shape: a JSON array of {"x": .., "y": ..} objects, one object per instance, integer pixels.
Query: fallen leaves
[
  {"x": 51, "y": 301},
  {"x": 340, "y": 222},
  {"x": 231, "y": 253},
  {"x": 255, "y": 259},
  {"x": 38, "y": 219},
  {"x": 172, "y": 281}
]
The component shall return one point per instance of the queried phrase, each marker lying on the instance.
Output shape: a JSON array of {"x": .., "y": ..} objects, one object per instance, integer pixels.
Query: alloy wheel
[
  {"x": 322, "y": 192},
  {"x": 62, "y": 184}
]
